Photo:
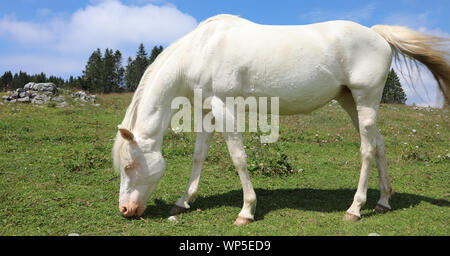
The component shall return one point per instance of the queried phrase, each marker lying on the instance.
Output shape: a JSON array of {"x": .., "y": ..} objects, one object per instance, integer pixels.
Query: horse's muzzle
[{"x": 132, "y": 209}]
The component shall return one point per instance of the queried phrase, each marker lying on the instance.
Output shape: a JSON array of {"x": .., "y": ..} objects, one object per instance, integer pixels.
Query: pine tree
[
  {"x": 19, "y": 80},
  {"x": 119, "y": 72},
  {"x": 393, "y": 91},
  {"x": 155, "y": 52},
  {"x": 103, "y": 73},
  {"x": 136, "y": 68},
  {"x": 93, "y": 72},
  {"x": 107, "y": 74},
  {"x": 6, "y": 79},
  {"x": 129, "y": 75}
]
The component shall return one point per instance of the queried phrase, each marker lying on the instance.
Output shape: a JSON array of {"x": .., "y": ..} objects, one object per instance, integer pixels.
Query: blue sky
[{"x": 57, "y": 37}]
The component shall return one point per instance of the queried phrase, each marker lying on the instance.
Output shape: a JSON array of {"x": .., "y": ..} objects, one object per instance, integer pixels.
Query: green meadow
[{"x": 56, "y": 175}]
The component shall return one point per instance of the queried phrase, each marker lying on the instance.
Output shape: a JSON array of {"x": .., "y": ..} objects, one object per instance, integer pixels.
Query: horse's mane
[
  {"x": 130, "y": 115},
  {"x": 129, "y": 120}
]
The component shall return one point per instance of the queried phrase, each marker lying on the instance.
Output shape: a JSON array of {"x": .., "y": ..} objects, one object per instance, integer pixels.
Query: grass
[{"x": 56, "y": 175}]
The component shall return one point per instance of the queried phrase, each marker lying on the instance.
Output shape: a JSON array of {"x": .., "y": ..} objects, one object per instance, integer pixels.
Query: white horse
[{"x": 305, "y": 66}]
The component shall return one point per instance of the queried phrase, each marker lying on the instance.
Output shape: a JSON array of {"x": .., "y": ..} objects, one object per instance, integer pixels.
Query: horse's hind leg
[
  {"x": 385, "y": 184},
  {"x": 200, "y": 152},
  {"x": 366, "y": 97},
  {"x": 348, "y": 104}
]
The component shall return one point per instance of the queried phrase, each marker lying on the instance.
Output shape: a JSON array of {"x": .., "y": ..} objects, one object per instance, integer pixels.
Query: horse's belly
[
  {"x": 297, "y": 90},
  {"x": 301, "y": 98}
]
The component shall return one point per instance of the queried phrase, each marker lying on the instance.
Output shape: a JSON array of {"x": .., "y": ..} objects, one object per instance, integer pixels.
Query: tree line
[
  {"x": 103, "y": 73},
  {"x": 18, "y": 80}
]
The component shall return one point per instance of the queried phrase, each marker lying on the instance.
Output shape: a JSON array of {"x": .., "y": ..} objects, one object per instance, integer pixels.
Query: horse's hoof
[
  {"x": 351, "y": 217},
  {"x": 177, "y": 210},
  {"x": 381, "y": 209},
  {"x": 242, "y": 221}
]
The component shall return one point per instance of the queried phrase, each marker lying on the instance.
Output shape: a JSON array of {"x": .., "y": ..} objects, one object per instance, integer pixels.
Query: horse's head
[{"x": 140, "y": 172}]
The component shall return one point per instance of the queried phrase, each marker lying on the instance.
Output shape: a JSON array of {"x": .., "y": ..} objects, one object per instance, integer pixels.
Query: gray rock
[
  {"x": 84, "y": 97},
  {"x": 48, "y": 88},
  {"x": 29, "y": 86},
  {"x": 36, "y": 101},
  {"x": 25, "y": 99},
  {"x": 58, "y": 98},
  {"x": 43, "y": 98},
  {"x": 5, "y": 98},
  {"x": 24, "y": 94},
  {"x": 61, "y": 105}
]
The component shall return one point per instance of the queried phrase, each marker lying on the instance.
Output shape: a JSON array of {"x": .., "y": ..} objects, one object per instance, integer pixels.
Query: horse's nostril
[{"x": 123, "y": 209}]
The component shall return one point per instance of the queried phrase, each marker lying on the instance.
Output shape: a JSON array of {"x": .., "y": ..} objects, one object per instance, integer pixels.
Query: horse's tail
[{"x": 416, "y": 47}]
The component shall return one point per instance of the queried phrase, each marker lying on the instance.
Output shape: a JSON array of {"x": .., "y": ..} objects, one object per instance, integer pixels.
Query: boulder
[
  {"x": 58, "y": 98},
  {"x": 62, "y": 104},
  {"x": 37, "y": 101},
  {"x": 24, "y": 94},
  {"x": 47, "y": 88},
  {"x": 40, "y": 99},
  {"x": 15, "y": 95},
  {"x": 84, "y": 97},
  {"x": 25, "y": 99}
]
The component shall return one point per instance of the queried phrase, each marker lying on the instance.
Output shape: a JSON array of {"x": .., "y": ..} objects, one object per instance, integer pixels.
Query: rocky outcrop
[
  {"x": 84, "y": 97},
  {"x": 40, "y": 93},
  {"x": 46, "y": 88}
]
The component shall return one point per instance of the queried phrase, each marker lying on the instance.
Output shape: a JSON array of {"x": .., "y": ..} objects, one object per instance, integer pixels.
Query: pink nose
[{"x": 131, "y": 209}]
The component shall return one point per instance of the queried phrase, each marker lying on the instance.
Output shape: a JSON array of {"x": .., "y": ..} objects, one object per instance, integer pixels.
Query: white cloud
[
  {"x": 112, "y": 24},
  {"x": 27, "y": 33},
  {"x": 101, "y": 24}
]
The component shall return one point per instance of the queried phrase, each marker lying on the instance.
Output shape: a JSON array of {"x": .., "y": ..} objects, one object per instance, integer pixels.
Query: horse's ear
[{"x": 126, "y": 134}]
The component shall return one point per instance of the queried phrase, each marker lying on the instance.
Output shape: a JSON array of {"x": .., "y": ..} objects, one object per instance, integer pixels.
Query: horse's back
[{"x": 305, "y": 66}]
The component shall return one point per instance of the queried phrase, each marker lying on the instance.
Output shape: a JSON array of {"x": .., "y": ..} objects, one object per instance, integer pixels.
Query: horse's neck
[{"x": 154, "y": 114}]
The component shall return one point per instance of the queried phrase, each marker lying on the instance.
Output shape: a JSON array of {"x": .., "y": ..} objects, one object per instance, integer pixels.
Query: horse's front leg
[
  {"x": 200, "y": 152},
  {"x": 236, "y": 148}
]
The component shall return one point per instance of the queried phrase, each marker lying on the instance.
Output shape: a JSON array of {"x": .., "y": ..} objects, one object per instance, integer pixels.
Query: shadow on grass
[{"x": 320, "y": 200}]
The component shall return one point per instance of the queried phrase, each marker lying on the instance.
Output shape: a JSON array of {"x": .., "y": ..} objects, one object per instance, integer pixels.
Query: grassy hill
[{"x": 56, "y": 175}]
